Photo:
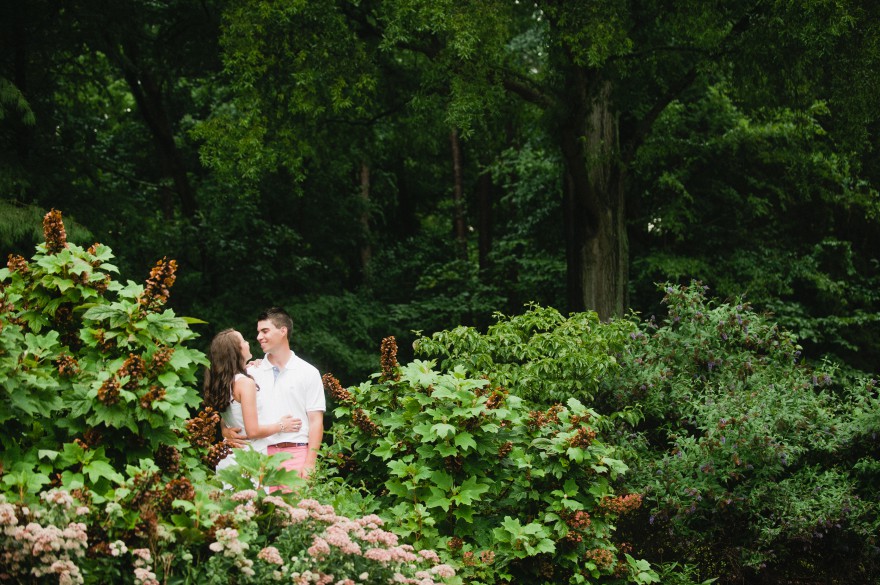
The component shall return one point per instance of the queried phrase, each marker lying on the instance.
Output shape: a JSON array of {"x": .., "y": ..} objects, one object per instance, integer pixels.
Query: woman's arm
[{"x": 245, "y": 391}]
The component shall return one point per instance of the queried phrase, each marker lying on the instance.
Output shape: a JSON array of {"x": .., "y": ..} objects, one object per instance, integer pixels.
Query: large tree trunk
[
  {"x": 458, "y": 195},
  {"x": 597, "y": 250},
  {"x": 485, "y": 197},
  {"x": 366, "y": 248}
]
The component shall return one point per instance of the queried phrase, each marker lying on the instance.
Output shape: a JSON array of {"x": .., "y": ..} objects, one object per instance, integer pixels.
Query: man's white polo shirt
[{"x": 295, "y": 389}]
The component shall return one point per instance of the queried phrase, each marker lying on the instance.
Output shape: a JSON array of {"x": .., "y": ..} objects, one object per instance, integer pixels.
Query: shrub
[
  {"x": 245, "y": 537},
  {"x": 97, "y": 386},
  {"x": 94, "y": 374},
  {"x": 746, "y": 454},
  {"x": 462, "y": 465},
  {"x": 540, "y": 355}
]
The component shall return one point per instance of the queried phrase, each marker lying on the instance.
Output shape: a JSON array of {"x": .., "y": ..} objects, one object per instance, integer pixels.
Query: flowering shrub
[
  {"x": 96, "y": 374},
  {"x": 44, "y": 541},
  {"x": 251, "y": 537},
  {"x": 462, "y": 465}
]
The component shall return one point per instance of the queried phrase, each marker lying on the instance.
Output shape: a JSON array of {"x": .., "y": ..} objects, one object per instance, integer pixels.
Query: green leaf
[
  {"x": 442, "y": 480},
  {"x": 102, "y": 468},
  {"x": 72, "y": 480},
  {"x": 386, "y": 448},
  {"x": 445, "y": 449},
  {"x": 471, "y": 490},
  {"x": 193, "y": 321},
  {"x": 442, "y": 429},
  {"x": 438, "y": 499},
  {"x": 71, "y": 453},
  {"x": 465, "y": 440},
  {"x": 47, "y": 454},
  {"x": 101, "y": 312},
  {"x": 576, "y": 454}
]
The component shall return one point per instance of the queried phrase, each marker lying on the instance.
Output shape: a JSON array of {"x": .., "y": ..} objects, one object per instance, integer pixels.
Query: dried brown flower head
[
  {"x": 216, "y": 453},
  {"x": 108, "y": 393},
  {"x": 363, "y": 422},
  {"x": 454, "y": 543},
  {"x": 176, "y": 489},
  {"x": 202, "y": 428},
  {"x": 134, "y": 368},
  {"x": 157, "y": 289},
  {"x": 93, "y": 437},
  {"x": 389, "y": 360},
  {"x": 54, "y": 232},
  {"x": 496, "y": 398},
  {"x": 167, "y": 458},
  {"x": 538, "y": 419},
  {"x": 160, "y": 359},
  {"x": 583, "y": 437},
  {"x": 17, "y": 263},
  {"x": 336, "y": 391},
  {"x": 150, "y": 396},
  {"x": 68, "y": 367}
]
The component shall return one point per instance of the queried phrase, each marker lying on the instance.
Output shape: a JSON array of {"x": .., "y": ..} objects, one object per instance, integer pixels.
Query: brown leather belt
[{"x": 285, "y": 445}]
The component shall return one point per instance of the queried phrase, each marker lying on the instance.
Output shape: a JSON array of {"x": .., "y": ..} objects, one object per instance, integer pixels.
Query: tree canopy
[{"x": 394, "y": 165}]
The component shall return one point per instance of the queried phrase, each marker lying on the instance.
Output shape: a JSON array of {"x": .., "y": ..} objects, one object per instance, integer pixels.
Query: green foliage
[
  {"x": 540, "y": 355},
  {"x": 743, "y": 453},
  {"x": 461, "y": 464},
  {"x": 23, "y": 223},
  {"x": 714, "y": 173},
  {"x": 94, "y": 374}
]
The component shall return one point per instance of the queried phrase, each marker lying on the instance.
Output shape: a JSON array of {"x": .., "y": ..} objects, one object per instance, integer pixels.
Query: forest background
[
  {"x": 401, "y": 167},
  {"x": 384, "y": 167}
]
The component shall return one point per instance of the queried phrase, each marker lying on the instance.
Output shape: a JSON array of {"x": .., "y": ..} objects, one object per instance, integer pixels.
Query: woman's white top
[{"x": 233, "y": 417}]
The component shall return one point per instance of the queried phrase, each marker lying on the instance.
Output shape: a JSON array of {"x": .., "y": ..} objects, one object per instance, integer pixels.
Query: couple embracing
[{"x": 272, "y": 405}]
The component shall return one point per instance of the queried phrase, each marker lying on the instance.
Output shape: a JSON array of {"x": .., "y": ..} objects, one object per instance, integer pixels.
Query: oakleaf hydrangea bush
[
  {"x": 94, "y": 373},
  {"x": 462, "y": 465}
]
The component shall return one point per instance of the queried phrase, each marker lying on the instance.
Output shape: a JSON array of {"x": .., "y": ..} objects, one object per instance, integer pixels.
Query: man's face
[{"x": 270, "y": 337}]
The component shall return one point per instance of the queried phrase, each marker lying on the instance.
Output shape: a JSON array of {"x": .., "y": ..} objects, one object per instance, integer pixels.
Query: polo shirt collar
[{"x": 267, "y": 365}]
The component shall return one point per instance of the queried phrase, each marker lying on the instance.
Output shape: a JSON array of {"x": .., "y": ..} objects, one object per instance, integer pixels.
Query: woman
[{"x": 230, "y": 391}]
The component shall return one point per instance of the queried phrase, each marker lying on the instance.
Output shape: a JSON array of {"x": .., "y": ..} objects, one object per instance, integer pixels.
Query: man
[{"x": 287, "y": 385}]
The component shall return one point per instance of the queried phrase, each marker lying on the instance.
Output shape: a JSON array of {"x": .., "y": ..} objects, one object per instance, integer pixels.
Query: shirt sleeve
[{"x": 315, "y": 399}]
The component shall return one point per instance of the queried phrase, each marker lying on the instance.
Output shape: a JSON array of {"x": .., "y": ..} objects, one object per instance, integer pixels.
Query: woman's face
[{"x": 245, "y": 347}]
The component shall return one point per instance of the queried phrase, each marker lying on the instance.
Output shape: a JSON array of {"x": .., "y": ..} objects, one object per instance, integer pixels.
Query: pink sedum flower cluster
[
  {"x": 334, "y": 545},
  {"x": 39, "y": 543}
]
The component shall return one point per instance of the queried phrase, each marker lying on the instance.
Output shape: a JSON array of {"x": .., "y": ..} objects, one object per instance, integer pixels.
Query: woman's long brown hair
[{"x": 226, "y": 362}]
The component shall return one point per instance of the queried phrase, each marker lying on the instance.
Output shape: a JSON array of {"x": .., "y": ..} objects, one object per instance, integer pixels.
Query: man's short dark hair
[{"x": 279, "y": 318}]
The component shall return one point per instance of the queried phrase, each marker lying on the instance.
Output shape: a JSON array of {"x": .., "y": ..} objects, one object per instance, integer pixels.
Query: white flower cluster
[{"x": 229, "y": 544}]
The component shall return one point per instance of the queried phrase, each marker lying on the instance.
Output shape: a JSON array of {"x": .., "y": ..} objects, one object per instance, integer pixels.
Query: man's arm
[{"x": 316, "y": 435}]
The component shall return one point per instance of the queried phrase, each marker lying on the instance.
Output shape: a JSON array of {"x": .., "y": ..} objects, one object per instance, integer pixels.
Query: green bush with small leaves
[{"x": 754, "y": 464}]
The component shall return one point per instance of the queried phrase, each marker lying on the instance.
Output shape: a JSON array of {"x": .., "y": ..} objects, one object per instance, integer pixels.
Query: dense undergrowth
[{"x": 547, "y": 449}]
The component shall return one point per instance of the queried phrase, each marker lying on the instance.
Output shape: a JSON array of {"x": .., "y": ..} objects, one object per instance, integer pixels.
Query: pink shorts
[{"x": 296, "y": 461}]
